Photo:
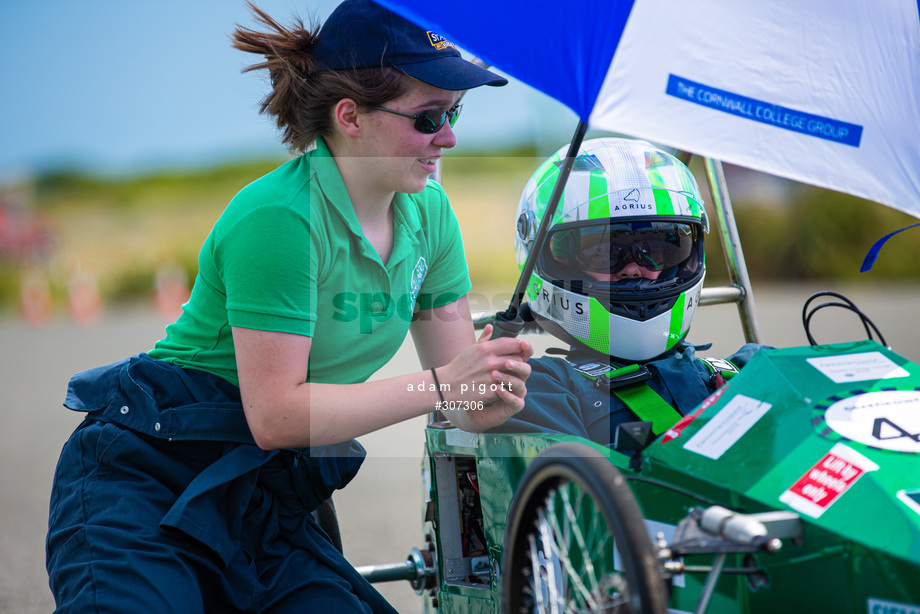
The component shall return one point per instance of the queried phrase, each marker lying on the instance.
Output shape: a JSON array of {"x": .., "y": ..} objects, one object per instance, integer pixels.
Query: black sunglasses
[{"x": 430, "y": 121}]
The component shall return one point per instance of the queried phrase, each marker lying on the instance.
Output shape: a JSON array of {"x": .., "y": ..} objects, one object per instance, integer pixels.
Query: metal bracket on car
[
  {"x": 418, "y": 569},
  {"x": 720, "y": 531}
]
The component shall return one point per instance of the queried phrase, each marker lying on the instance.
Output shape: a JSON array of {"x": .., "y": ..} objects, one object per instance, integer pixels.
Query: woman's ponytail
[
  {"x": 302, "y": 97},
  {"x": 289, "y": 63}
]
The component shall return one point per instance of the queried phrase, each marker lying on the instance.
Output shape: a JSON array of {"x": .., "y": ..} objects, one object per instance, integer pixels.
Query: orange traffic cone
[
  {"x": 83, "y": 298},
  {"x": 172, "y": 290},
  {"x": 35, "y": 297}
]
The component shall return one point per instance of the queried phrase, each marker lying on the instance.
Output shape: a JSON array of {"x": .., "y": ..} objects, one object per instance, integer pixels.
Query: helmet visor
[{"x": 607, "y": 248}]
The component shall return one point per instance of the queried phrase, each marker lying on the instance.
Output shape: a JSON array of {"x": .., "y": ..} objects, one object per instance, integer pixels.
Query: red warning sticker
[{"x": 827, "y": 480}]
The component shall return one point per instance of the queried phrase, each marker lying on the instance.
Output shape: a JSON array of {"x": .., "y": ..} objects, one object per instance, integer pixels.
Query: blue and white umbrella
[{"x": 822, "y": 92}]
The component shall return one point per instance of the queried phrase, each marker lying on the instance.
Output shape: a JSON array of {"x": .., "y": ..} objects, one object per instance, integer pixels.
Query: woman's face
[{"x": 400, "y": 157}]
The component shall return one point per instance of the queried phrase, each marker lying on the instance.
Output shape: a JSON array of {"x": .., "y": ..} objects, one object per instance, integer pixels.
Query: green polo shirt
[{"x": 288, "y": 255}]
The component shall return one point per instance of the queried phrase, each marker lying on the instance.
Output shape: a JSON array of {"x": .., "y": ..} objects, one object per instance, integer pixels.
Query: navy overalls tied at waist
[{"x": 192, "y": 459}]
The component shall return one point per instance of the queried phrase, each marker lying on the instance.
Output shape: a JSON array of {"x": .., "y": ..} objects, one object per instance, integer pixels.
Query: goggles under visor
[
  {"x": 607, "y": 248},
  {"x": 432, "y": 120}
]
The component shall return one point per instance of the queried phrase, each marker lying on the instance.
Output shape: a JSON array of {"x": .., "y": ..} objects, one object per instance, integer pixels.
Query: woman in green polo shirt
[{"x": 188, "y": 486}]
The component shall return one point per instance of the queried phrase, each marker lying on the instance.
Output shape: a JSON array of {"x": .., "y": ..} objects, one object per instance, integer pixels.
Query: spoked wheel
[{"x": 576, "y": 540}]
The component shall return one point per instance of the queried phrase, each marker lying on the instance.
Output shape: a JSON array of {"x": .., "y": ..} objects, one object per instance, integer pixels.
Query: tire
[
  {"x": 572, "y": 501},
  {"x": 328, "y": 521}
]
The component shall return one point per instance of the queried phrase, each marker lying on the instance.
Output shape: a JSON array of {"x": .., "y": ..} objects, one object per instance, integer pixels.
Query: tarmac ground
[{"x": 380, "y": 512}]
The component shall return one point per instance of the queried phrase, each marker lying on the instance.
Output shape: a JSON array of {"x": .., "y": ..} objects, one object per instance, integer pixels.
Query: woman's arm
[
  {"x": 285, "y": 411},
  {"x": 443, "y": 333},
  {"x": 440, "y": 334}
]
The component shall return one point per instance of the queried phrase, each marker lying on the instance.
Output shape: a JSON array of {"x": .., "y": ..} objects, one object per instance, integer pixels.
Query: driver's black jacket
[{"x": 562, "y": 400}]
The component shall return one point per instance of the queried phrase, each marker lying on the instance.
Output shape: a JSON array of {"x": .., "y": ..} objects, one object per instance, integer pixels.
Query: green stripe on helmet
[
  {"x": 599, "y": 321},
  {"x": 677, "y": 320},
  {"x": 599, "y": 328},
  {"x": 663, "y": 203},
  {"x": 534, "y": 287},
  {"x": 599, "y": 201},
  {"x": 696, "y": 207},
  {"x": 546, "y": 180}
]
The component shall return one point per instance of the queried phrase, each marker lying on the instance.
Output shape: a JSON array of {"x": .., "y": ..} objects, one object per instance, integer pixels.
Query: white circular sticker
[{"x": 887, "y": 419}]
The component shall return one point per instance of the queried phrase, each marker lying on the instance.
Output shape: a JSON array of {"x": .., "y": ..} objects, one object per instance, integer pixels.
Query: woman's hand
[{"x": 485, "y": 384}]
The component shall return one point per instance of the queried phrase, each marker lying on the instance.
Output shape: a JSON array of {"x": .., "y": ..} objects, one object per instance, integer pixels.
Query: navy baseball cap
[{"x": 363, "y": 34}]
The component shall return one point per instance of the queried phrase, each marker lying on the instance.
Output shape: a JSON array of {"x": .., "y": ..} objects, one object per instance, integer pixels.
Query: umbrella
[{"x": 820, "y": 92}]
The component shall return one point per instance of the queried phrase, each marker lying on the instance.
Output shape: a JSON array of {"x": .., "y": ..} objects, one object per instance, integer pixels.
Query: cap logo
[{"x": 439, "y": 42}]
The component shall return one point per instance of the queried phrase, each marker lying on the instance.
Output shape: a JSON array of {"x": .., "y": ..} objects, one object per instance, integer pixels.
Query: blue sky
[{"x": 124, "y": 86}]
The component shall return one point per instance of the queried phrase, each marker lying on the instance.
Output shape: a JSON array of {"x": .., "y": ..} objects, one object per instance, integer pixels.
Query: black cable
[
  {"x": 822, "y": 306},
  {"x": 848, "y": 305}
]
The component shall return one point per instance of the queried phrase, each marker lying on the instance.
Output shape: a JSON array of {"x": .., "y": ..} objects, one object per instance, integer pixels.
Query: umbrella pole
[
  {"x": 509, "y": 323},
  {"x": 734, "y": 257}
]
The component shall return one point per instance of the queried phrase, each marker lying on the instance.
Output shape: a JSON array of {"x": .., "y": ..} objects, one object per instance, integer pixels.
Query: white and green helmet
[{"x": 625, "y": 202}]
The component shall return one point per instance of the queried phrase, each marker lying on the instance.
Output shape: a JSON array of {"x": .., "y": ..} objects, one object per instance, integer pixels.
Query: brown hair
[{"x": 302, "y": 97}]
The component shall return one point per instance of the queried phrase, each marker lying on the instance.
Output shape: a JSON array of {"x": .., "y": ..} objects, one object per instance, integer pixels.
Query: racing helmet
[{"x": 626, "y": 204}]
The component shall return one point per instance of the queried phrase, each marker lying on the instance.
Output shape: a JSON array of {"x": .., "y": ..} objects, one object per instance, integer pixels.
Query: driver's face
[
  {"x": 597, "y": 256},
  {"x": 630, "y": 271}
]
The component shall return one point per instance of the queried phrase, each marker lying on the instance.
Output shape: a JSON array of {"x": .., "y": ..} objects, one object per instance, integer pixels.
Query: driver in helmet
[{"x": 618, "y": 278}]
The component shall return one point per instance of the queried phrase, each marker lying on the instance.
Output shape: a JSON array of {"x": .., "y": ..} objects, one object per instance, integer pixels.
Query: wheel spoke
[
  {"x": 555, "y": 544},
  {"x": 563, "y": 557},
  {"x": 537, "y": 575},
  {"x": 579, "y": 538},
  {"x": 565, "y": 537},
  {"x": 550, "y": 556}
]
